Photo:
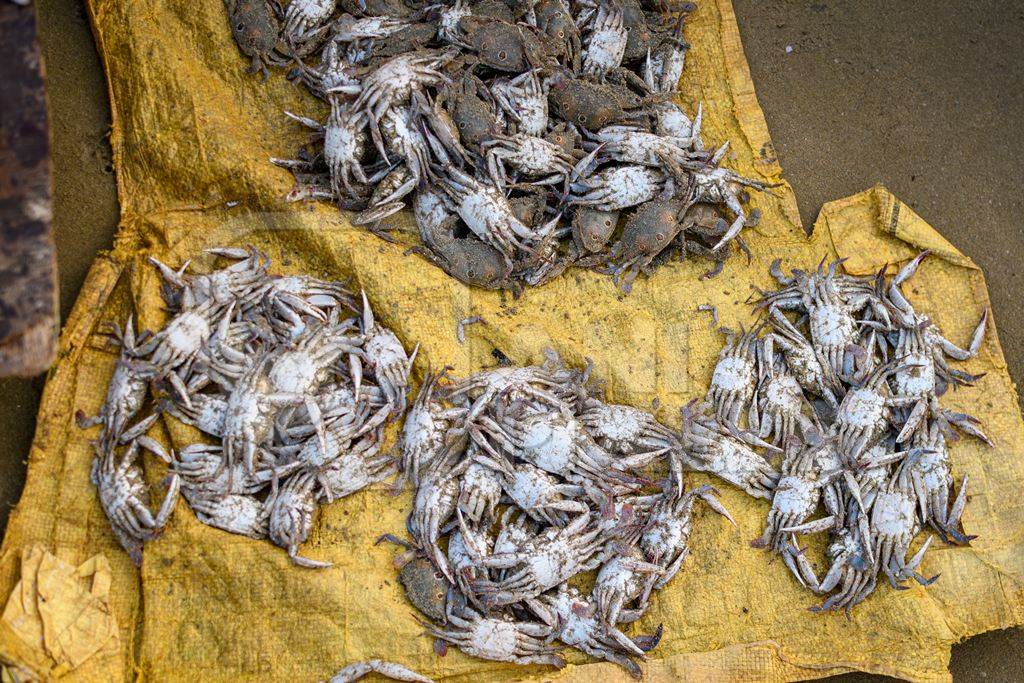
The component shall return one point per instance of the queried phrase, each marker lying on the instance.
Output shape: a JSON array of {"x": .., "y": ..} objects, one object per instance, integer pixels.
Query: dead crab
[
  {"x": 500, "y": 639},
  {"x": 795, "y": 499},
  {"x": 291, "y": 511},
  {"x": 394, "y": 81},
  {"x": 486, "y": 211},
  {"x": 536, "y": 492},
  {"x": 255, "y": 27},
  {"x": 542, "y": 563},
  {"x": 735, "y": 376},
  {"x": 524, "y": 101},
  {"x": 665, "y": 540},
  {"x": 126, "y": 392},
  {"x": 624, "y": 429},
  {"x": 606, "y": 43},
  {"x": 125, "y": 498},
  {"x": 423, "y": 433},
  {"x": 304, "y": 16},
  {"x": 777, "y": 406},
  {"x": 933, "y": 484},
  {"x": 618, "y": 187},
  {"x": 707, "y": 448},
  {"x": 894, "y": 524},
  {"x": 531, "y": 156},
  {"x": 625, "y": 579},
  {"x": 802, "y": 359},
  {"x": 573, "y": 618},
  {"x": 863, "y": 415},
  {"x": 386, "y": 357}
]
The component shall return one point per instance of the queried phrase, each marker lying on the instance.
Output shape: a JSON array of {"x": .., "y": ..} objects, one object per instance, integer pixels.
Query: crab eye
[
  {"x": 581, "y": 118},
  {"x": 471, "y": 272},
  {"x": 502, "y": 55},
  {"x": 659, "y": 236},
  {"x": 607, "y": 222},
  {"x": 240, "y": 27},
  {"x": 461, "y": 125},
  {"x": 561, "y": 33}
]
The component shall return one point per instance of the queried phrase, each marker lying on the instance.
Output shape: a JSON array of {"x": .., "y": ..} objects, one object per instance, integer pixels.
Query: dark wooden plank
[{"x": 28, "y": 268}]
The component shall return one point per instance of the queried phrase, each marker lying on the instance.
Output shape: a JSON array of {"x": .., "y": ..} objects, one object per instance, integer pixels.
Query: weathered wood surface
[{"x": 28, "y": 267}]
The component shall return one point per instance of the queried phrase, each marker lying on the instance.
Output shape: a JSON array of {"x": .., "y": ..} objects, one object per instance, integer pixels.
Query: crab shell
[
  {"x": 235, "y": 513},
  {"x": 739, "y": 465},
  {"x": 916, "y": 376}
]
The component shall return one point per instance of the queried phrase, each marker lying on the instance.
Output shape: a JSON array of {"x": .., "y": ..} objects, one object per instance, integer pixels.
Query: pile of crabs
[
  {"x": 848, "y": 397},
  {"x": 527, "y": 136},
  {"x": 525, "y": 479},
  {"x": 292, "y": 382}
]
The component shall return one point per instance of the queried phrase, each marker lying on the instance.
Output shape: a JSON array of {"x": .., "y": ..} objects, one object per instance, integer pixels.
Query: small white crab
[
  {"x": 348, "y": 28},
  {"x": 386, "y": 357},
  {"x": 777, "y": 405},
  {"x": 467, "y": 545},
  {"x": 125, "y": 498},
  {"x": 394, "y": 81},
  {"x": 205, "y": 412},
  {"x": 224, "y": 286},
  {"x": 344, "y": 145},
  {"x": 666, "y": 539},
  {"x": 707, "y": 448},
  {"x": 361, "y": 466},
  {"x": 545, "y": 384},
  {"x": 863, "y": 415},
  {"x": 544, "y": 562},
  {"x": 479, "y": 491},
  {"x": 626, "y": 430},
  {"x": 802, "y": 359},
  {"x": 670, "y": 121},
  {"x": 618, "y": 187},
  {"x": 735, "y": 377},
  {"x": 126, "y": 392},
  {"x": 632, "y": 145},
  {"x": 499, "y": 639},
  {"x": 622, "y": 580},
  {"x": 487, "y": 212},
  {"x": 933, "y": 484},
  {"x": 894, "y": 524},
  {"x": 180, "y": 341},
  {"x": 524, "y": 101},
  {"x": 607, "y": 42},
  {"x": 532, "y": 156},
  {"x": 851, "y": 571},
  {"x": 425, "y": 427},
  {"x": 536, "y": 492},
  {"x": 436, "y": 501},
  {"x": 235, "y": 513},
  {"x": 555, "y": 442},
  {"x": 249, "y": 414},
  {"x": 291, "y": 511},
  {"x": 795, "y": 498},
  {"x": 303, "y": 16},
  {"x": 575, "y": 619},
  {"x": 665, "y": 64}
]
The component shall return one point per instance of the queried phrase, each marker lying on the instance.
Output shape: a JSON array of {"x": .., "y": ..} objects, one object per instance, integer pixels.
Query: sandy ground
[{"x": 926, "y": 98}]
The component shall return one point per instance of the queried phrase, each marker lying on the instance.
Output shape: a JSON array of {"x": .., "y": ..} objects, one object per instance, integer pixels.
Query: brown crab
[{"x": 255, "y": 25}]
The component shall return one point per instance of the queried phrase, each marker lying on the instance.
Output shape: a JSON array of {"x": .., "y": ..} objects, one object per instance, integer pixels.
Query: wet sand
[{"x": 926, "y": 98}]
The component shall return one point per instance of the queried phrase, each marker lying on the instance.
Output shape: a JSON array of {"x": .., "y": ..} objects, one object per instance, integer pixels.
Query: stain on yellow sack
[{"x": 192, "y": 133}]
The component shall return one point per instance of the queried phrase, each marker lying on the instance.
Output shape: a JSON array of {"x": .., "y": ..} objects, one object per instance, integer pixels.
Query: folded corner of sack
[{"x": 57, "y": 617}]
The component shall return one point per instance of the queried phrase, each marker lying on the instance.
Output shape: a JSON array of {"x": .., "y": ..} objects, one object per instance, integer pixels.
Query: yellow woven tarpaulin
[{"x": 192, "y": 135}]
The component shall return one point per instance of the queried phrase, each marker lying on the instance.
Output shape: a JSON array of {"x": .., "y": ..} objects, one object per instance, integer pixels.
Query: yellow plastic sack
[{"x": 192, "y": 136}]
